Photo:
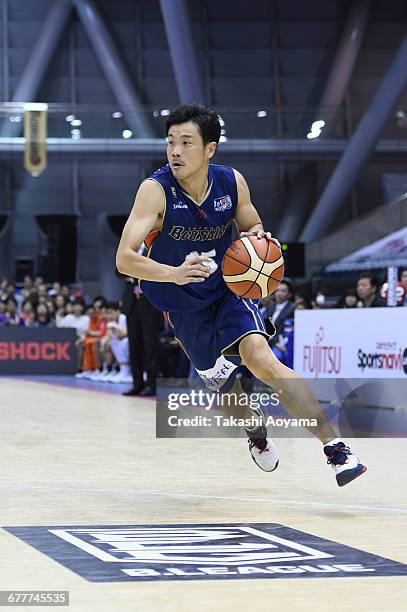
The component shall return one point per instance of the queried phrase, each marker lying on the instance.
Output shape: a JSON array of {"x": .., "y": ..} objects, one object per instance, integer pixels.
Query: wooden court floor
[{"x": 76, "y": 457}]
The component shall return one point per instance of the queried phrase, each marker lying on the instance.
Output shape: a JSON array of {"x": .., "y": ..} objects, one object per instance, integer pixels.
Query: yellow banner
[{"x": 35, "y": 134}]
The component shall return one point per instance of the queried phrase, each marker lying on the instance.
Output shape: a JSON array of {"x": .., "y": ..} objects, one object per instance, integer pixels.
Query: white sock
[{"x": 332, "y": 442}]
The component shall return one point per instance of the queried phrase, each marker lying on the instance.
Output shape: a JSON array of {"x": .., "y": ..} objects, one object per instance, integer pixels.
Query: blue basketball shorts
[{"x": 210, "y": 337}]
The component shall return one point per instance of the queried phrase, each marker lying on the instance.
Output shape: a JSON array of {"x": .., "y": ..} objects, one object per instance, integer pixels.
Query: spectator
[
  {"x": 66, "y": 292},
  {"x": 348, "y": 300},
  {"x": 400, "y": 293},
  {"x": 299, "y": 299},
  {"x": 8, "y": 291},
  {"x": 3, "y": 315},
  {"x": 28, "y": 314},
  {"x": 76, "y": 296},
  {"x": 60, "y": 309},
  {"x": 42, "y": 294},
  {"x": 33, "y": 297},
  {"x": 77, "y": 319},
  {"x": 366, "y": 289},
  {"x": 302, "y": 304},
  {"x": 403, "y": 283},
  {"x": 280, "y": 309},
  {"x": 43, "y": 317},
  {"x": 283, "y": 348},
  {"x": 99, "y": 303},
  {"x": 90, "y": 359},
  {"x": 26, "y": 293},
  {"x": 3, "y": 285},
  {"x": 80, "y": 322},
  {"x": 115, "y": 344},
  {"x": 13, "y": 319},
  {"x": 51, "y": 307},
  {"x": 28, "y": 283},
  {"x": 55, "y": 289}
]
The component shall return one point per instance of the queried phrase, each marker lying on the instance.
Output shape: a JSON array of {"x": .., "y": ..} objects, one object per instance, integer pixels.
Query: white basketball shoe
[
  {"x": 262, "y": 449},
  {"x": 345, "y": 464}
]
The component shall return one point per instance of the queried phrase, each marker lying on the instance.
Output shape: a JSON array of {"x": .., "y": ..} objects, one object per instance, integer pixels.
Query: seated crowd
[
  {"x": 101, "y": 328},
  {"x": 102, "y": 334},
  {"x": 281, "y": 305}
]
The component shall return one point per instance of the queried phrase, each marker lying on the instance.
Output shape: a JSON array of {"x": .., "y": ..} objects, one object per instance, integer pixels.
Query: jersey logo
[
  {"x": 223, "y": 203},
  {"x": 179, "y": 232},
  {"x": 180, "y": 205}
]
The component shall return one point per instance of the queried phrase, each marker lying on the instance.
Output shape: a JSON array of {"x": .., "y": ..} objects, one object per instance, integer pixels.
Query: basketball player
[{"x": 184, "y": 212}]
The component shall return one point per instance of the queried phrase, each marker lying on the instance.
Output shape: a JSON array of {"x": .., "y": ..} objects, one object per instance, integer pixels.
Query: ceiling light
[
  {"x": 117, "y": 115},
  {"x": 76, "y": 122},
  {"x": 75, "y": 134},
  {"x": 262, "y": 113},
  {"x": 69, "y": 118},
  {"x": 127, "y": 133},
  {"x": 165, "y": 112}
]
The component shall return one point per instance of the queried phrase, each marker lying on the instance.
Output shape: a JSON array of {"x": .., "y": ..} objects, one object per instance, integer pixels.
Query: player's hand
[
  {"x": 261, "y": 234},
  {"x": 191, "y": 271}
]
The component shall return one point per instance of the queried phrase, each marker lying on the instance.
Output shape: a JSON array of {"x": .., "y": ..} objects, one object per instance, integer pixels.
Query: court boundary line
[
  {"x": 136, "y": 493},
  {"x": 74, "y": 387}
]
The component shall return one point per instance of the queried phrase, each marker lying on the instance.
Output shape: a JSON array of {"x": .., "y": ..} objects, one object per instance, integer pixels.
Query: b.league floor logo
[{"x": 198, "y": 552}]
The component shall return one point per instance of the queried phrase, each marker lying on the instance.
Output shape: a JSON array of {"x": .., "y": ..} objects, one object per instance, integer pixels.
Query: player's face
[{"x": 186, "y": 152}]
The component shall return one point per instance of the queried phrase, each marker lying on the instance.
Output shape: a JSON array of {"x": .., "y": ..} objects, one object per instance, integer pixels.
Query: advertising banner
[
  {"x": 35, "y": 135},
  {"x": 351, "y": 343},
  {"x": 46, "y": 350}
]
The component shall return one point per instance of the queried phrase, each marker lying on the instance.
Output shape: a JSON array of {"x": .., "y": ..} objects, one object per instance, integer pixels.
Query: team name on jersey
[{"x": 179, "y": 232}]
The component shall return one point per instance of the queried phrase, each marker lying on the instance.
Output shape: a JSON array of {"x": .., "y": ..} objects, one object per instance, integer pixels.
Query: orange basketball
[{"x": 253, "y": 267}]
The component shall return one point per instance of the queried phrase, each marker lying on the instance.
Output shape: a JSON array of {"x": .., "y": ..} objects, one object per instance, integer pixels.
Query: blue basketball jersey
[{"x": 189, "y": 227}]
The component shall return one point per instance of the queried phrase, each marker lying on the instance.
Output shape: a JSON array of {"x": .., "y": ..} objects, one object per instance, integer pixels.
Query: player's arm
[
  {"x": 247, "y": 217},
  {"x": 145, "y": 217}
]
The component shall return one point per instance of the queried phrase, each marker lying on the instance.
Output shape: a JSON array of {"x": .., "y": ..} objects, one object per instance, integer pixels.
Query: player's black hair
[
  {"x": 113, "y": 305},
  {"x": 371, "y": 277},
  {"x": 205, "y": 118}
]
